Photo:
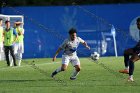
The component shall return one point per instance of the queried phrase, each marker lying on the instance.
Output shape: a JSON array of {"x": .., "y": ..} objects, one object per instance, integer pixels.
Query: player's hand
[
  {"x": 54, "y": 58},
  {"x": 88, "y": 47},
  {"x": 13, "y": 43}
]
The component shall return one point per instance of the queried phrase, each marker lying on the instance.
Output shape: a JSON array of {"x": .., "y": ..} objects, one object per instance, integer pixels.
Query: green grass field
[{"x": 93, "y": 78}]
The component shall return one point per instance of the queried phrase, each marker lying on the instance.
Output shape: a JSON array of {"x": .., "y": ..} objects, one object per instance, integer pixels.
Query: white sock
[
  {"x": 74, "y": 74},
  {"x": 0, "y": 57},
  {"x": 19, "y": 62},
  {"x": 131, "y": 76},
  {"x": 127, "y": 68},
  {"x": 11, "y": 61},
  {"x": 58, "y": 70}
]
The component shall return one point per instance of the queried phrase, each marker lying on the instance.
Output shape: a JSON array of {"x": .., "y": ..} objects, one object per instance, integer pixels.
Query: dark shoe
[
  {"x": 53, "y": 74},
  {"x": 72, "y": 78}
]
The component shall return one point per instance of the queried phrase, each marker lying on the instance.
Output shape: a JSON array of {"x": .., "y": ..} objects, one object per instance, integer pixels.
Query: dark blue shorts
[{"x": 136, "y": 50}]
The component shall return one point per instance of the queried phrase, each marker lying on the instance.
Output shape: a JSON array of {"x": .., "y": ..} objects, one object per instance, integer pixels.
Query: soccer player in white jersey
[
  {"x": 69, "y": 47},
  {"x": 1, "y": 39}
]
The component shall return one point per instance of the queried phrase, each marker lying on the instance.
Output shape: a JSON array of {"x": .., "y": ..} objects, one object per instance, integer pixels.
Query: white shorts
[
  {"x": 18, "y": 48},
  {"x": 1, "y": 47},
  {"x": 73, "y": 59}
]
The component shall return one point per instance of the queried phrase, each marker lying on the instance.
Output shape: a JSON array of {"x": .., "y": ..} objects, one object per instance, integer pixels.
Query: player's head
[
  {"x": 0, "y": 21},
  {"x": 17, "y": 23},
  {"x": 73, "y": 33},
  {"x": 7, "y": 23},
  {"x": 138, "y": 23}
]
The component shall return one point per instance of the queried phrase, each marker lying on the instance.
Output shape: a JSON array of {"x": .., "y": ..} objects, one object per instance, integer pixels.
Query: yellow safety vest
[{"x": 8, "y": 37}]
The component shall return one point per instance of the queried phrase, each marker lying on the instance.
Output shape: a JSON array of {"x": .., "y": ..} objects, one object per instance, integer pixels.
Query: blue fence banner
[{"x": 46, "y": 27}]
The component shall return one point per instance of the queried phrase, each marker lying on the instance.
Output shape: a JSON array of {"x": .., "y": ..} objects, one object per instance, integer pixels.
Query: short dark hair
[
  {"x": 7, "y": 21},
  {"x": 138, "y": 19},
  {"x": 72, "y": 30},
  {"x": 1, "y": 19}
]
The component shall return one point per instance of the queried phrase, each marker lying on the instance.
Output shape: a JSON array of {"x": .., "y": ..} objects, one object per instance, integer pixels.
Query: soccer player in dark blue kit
[{"x": 135, "y": 55}]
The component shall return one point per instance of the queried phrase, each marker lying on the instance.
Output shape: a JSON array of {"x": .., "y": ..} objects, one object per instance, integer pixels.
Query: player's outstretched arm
[
  {"x": 57, "y": 52},
  {"x": 85, "y": 44}
]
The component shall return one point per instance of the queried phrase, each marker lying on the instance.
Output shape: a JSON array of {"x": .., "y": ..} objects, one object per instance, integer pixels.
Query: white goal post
[{"x": 12, "y": 19}]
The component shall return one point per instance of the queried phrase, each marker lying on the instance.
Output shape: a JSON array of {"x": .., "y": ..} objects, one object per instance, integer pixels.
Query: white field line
[{"x": 27, "y": 65}]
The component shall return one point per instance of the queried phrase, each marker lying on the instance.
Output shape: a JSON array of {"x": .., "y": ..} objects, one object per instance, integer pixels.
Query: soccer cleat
[
  {"x": 130, "y": 79},
  {"x": 53, "y": 74},
  {"x": 72, "y": 78},
  {"x": 15, "y": 64},
  {"x": 125, "y": 71}
]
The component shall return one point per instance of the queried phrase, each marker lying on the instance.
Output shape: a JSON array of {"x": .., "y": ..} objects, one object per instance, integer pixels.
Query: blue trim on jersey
[
  {"x": 14, "y": 32},
  {"x": 73, "y": 49}
]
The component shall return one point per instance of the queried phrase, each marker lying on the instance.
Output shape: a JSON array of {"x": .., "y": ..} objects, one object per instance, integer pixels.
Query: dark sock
[
  {"x": 131, "y": 68},
  {"x": 126, "y": 60}
]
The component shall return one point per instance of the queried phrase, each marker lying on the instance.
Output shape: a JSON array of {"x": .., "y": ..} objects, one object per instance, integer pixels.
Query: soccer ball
[{"x": 95, "y": 56}]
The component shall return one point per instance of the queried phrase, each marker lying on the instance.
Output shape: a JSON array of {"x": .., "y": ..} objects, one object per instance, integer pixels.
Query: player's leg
[
  {"x": 19, "y": 54},
  {"x": 62, "y": 68},
  {"x": 127, "y": 53},
  {"x": 15, "y": 48},
  {"x": 19, "y": 58},
  {"x": 6, "y": 51},
  {"x": 65, "y": 62},
  {"x": 1, "y": 51},
  {"x": 75, "y": 72},
  {"x": 13, "y": 55},
  {"x": 76, "y": 64},
  {"x": 133, "y": 59},
  {"x": 11, "y": 59}
]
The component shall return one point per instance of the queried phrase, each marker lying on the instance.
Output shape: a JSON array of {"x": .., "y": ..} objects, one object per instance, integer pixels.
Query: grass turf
[{"x": 34, "y": 77}]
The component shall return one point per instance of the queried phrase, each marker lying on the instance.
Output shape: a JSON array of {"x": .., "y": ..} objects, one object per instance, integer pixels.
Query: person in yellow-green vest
[
  {"x": 18, "y": 46},
  {"x": 9, "y": 41},
  {"x": 1, "y": 39}
]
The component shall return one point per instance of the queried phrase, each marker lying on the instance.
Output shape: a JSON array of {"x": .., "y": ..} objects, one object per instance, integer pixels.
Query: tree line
[{"x": 62, "y": 2}]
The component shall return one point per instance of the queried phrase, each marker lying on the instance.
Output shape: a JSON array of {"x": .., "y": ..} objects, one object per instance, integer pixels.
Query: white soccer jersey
[{"x": 70, "y": 47}]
